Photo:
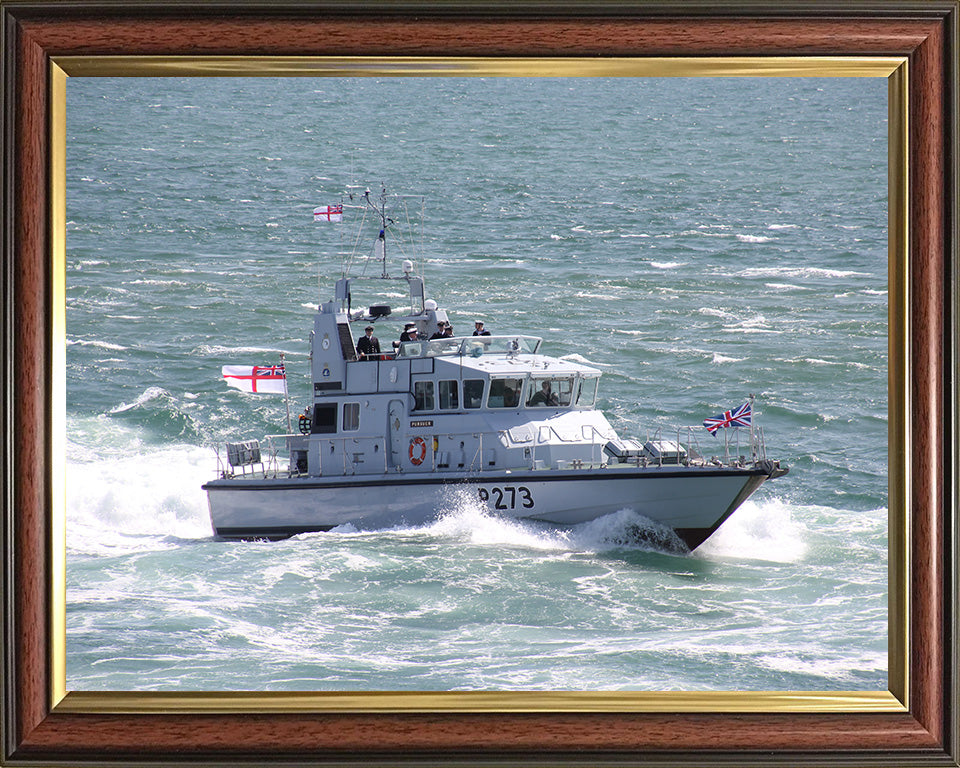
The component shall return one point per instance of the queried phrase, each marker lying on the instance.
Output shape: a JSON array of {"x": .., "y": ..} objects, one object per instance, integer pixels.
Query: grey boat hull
[{"x": 693, "y": 501}]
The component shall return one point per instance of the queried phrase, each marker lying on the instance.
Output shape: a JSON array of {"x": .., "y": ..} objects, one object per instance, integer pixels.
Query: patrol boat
[{"x": 391, "y": 437}]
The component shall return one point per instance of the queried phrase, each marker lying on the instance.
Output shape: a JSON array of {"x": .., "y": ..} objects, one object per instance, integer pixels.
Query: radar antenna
[{"x": 380, "y": 249}]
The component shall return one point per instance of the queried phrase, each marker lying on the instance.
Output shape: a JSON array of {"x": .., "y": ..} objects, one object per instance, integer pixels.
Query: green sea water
[{"x": 697, "y": 240}]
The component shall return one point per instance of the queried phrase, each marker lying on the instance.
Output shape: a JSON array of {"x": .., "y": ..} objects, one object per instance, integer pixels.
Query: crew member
[
  {"x": 545, "y": 396},
  {"x": 368, "y": 345},
  {"x": 478, "y": 329}
]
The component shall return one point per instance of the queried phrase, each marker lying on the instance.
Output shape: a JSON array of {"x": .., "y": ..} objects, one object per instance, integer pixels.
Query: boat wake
[
  {"x": 765, "y": 531},
  {"x": 123, "y": 504},
  {"x": 464, "y": 518},
  {"x": 627, "y": 529},
  {"x": 118, "y": 505}
]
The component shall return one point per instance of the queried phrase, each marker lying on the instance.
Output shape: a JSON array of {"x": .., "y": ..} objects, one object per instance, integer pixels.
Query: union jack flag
[{"x": 738, "y": 417}]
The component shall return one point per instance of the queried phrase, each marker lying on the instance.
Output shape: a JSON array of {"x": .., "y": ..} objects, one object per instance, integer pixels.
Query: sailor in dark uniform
[
  {"x": 478, "y": 329},
  {"x": 444, "y": 331},
  {"x": 409, "y": 332},
  {"x": 368, "y": 345}
]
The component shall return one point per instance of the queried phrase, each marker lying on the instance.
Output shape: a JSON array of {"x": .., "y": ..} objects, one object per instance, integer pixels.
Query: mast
[
  {"x": 286, "y": 393},
  {"x": 380, "y": 249}
]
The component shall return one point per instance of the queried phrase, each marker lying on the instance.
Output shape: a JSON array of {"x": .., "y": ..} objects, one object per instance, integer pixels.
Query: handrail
[
  {"x": 756, "y": 443},
  {"x": 685, "y": 437},
  {"x": 470, "y": 346},
  {"x": 349, "y": 466},
  {"x": 593, "y": 436}
]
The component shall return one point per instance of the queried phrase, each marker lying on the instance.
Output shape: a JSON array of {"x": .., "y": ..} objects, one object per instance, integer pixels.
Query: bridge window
[
  {"x": 551, "y": 392},
  {"x": 351, "y": 417},
  {"x": 423, "y": 396},
  {"x": 504, "y": 393},
  {"x": 448, "y": 392},
  {"x": 472, "y": 393},
  {"x": 587, "y": 392},
  {"x": 324, "y": 418}
]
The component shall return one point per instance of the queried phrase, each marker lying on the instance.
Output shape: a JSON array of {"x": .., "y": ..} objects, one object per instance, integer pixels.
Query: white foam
[
  {"x": 575, "y": 358},
  {"x": 138, "y": 501},
  {"x": 666, "y": 264},
  {"x": 828, "y": 669},
  {"x": 782, "y": 286},
  {"x": 465, "y": 518},
  {"x": 625, "y": 528},
  {"x": 600, "y": 296},
  {"x": 763, "y": 530},
  {"x": 719, "y": 359},
  {"x": 145, "y": 281},
  {"x": 95, "y": 343},
  {"x": 713, "y": 312},
  {"x": 216, "y": 349},
  {"x": 151, "y": 393},
  {"x": 753, "y": 239},
  {"x": 755, "y": 324},
  {"x": 800, "y": 272}
]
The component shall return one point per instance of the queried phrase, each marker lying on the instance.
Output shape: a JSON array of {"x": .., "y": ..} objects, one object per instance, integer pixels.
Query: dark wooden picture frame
[{"x": 38, "y": 731}]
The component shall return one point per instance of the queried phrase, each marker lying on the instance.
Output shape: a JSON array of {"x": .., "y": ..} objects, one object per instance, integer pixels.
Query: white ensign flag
[{"x": 261, "y": 379}]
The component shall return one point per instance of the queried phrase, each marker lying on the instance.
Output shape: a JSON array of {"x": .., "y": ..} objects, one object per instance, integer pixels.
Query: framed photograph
[{"x": 90, "y": 699}]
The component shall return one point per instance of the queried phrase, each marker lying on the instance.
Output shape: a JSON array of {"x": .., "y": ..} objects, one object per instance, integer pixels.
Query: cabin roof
[{"x": 517, "y": 365}]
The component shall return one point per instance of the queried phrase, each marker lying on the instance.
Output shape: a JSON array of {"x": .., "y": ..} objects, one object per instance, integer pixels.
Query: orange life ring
[{"x": 418, "y": 451}]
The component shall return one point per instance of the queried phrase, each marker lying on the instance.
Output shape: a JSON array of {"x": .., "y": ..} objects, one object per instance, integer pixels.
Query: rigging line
[
  {"x": 399, "y": 237},
  {"x": 371, "y": 254},
  {"x": 356, "y": 242},
  {"x": 382, "y": 225},
  {"x": 414, "y": 256},
  {"x": 340, "y": 240},
  {"x": 423, "y": 216}
]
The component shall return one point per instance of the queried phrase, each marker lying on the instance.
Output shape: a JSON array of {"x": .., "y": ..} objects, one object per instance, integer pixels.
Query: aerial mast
[{"x": 380, "y": 249}]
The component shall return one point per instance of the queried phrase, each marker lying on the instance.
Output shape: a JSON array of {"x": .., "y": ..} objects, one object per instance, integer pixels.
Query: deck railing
[
  {"x": 741, "y": 446},
  {"x": 470, "y": 346}
]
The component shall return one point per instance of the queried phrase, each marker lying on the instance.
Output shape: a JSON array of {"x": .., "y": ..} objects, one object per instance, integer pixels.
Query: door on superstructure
[{"x": 397, "y": 416}]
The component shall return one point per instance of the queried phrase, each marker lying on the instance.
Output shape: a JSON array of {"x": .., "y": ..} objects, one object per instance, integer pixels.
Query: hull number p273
[{"x": 508, "y": 497}]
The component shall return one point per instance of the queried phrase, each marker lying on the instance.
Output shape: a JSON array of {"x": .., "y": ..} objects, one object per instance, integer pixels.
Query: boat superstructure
[{"x": 390, "y": 436}]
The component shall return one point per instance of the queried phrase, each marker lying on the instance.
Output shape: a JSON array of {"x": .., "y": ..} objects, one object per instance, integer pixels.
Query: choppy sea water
[{"x": 697, "y": 240}]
